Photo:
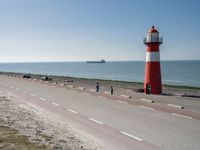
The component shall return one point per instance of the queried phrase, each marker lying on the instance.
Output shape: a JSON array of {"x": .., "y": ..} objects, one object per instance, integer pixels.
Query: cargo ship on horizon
[{"x": 101, "y": 61}]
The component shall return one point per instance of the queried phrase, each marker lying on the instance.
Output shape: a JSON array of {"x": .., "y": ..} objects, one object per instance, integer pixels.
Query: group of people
[{"x": 97, "y": 88}]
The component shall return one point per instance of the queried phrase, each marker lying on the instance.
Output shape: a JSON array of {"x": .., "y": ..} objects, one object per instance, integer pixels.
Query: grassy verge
[{"x": 10, "y": 139}]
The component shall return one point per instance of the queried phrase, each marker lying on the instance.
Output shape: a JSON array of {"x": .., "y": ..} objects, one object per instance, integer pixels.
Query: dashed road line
[
  {"x": 181, "y": 115},
  {"x": 72, "y": 111},
  {"x": 55, "y": 104},
  {"x": 131, "y": 136},
  {"x": 24, "y": 92},
  {"x": 94, "y": 120},
  {"x": 43, "y": 99},
  {"x": 17, "y": 89},
  {"x": 147, "y": 107}
]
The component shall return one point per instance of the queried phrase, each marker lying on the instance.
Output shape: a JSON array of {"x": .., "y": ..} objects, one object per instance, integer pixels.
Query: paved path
[{"x": 115, "y": 124}]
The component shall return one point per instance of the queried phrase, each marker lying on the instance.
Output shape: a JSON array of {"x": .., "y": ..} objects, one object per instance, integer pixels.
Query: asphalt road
[{"x": 116, "y": 125}]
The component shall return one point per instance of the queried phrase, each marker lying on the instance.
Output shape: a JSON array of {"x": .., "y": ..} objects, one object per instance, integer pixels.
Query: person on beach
[
  {"x": 111, "y": 90},
  {"x": 97, "y": 87}
]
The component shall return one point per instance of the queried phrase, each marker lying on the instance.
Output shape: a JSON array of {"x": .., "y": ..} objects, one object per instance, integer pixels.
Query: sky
[{"x": 80, "y": 30}]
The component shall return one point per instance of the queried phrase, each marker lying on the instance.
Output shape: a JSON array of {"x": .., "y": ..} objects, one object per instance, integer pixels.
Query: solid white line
[
  {"x": 181, "y": 116},
  {"x": 43, "y": 99},
  {"x": 147, "y": 107},
  {"x": 129, "y": 135},
  {"x": 118, "y": 101},
  {"x": 95, "y": 121},
  {"x": 55, "y": 104},
  {"x": 72, "y": 111},
  {"x": 32, "y": 95}
]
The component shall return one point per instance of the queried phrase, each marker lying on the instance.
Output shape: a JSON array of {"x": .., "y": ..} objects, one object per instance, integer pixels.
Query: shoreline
[{"x": 170, "y": 90}]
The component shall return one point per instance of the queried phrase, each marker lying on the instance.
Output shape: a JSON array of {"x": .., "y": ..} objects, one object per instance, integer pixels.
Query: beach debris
[
  {"x": 176, "y": 106},
  {"x": 71, "y": 86},
  {"x": 81, "y": 88},
  {"x": 125, "y": 96},
  {"x": 147, "y": 100},
  {"x": 27, "y": 76}
]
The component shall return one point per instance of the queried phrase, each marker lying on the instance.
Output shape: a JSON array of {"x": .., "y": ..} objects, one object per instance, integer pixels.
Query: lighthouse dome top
[{"x": 153, "y": 30}]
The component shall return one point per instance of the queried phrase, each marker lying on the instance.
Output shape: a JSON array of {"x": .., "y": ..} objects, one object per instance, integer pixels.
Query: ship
[{"x": 101, "y": 61}]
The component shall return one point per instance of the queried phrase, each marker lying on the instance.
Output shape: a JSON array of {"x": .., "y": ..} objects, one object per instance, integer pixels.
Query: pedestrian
[
  {"x": 111, "y": 90},
  {"x": 97, "y": 87}
]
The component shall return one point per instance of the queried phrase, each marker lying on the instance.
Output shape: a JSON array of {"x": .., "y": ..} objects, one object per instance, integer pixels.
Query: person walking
[
  {"x": 97, "y": 87},
  {"x": 111, "y": 90}
]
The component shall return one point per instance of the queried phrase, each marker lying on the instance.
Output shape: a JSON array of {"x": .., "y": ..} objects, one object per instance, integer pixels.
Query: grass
[{"x": 10, "y": 139}]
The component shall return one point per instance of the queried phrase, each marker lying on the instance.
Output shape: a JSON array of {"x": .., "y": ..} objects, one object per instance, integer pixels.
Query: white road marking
[
  {"x": 147, "y": 107},
  {"x": 129, "y": 135},
  {"x": 95, "y": 120},
  {"x": 17, "y": 89},
  {"x": 24, "y": 92},
  {"x": 72, "y": 111},
  {"x": 181, "y": 116},
  {"x": 123, "y": 102},
  {"x": 55, "y": 104},
  {"x": 43, "y": 99},
  {"x": 32, "y": 95},
  {"x": 11, "y": 87}
]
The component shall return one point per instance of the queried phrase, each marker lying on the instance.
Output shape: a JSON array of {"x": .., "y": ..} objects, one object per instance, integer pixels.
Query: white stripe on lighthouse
[{"x": 152, "y": 56}]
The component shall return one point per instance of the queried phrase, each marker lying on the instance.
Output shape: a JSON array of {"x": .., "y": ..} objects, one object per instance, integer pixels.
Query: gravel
[{"x": 40, "y": 128}]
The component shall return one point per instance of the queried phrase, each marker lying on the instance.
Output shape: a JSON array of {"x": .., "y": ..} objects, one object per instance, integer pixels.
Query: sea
[{"x": 185, "y": 73}]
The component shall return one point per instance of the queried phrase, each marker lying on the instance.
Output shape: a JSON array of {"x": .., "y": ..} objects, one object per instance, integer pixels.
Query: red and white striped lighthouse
[{"x": 152, "y": 78}]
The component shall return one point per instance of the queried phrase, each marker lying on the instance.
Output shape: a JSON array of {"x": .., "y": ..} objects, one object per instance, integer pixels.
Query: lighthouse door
[{"x": 148, "y": 88}]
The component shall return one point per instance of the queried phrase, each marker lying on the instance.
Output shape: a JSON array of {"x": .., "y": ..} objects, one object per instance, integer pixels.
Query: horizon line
[{"x": 106, "y": 61}]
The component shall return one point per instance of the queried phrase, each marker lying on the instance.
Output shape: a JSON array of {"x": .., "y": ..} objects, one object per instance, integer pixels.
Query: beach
[{"x": 73, "y": 104}]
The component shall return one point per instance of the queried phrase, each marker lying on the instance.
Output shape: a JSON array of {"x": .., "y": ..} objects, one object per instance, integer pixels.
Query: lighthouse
[{"x": 152, "y": 77}]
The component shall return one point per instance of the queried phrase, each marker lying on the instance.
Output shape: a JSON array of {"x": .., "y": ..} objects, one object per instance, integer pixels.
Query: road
[{"x": 116, "y": 125}]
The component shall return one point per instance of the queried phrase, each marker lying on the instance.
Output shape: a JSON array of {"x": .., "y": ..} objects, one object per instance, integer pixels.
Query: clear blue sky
[{"x": 79, "y": 30}]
